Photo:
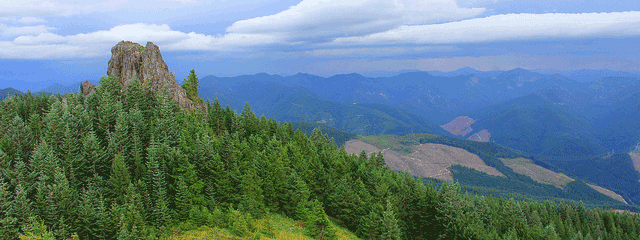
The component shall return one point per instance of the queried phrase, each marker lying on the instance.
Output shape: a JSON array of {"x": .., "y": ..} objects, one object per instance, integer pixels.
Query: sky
[{"x": 67, "y": 41}]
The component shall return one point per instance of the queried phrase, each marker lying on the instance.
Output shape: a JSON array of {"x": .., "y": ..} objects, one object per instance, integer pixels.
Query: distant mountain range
[{"x": 582, "y": 75}]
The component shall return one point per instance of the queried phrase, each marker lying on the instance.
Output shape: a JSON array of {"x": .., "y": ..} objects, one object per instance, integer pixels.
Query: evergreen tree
[
  {"x": 37, "y": 231},
  {"x": 22, "y": 206},
  {"x": 191, "y": 85},
  {"x": 183, "y": 201},
  {"x": 317, "y": 224},
  {"x": 94, "y": 158},
  {"x": 550, "y": 233},
  {"x": 8, "y": 222},
  {"x": 119, "y": 180},
  {"x": 160, "y": 211},
  {"x": 63, "y": 199},
  {"x": 390, "y": 229},
  {"x": 252, "y": 197}
]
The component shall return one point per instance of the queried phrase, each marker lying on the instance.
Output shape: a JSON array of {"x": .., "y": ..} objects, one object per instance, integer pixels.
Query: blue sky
[{"x": 70, "y": 40}]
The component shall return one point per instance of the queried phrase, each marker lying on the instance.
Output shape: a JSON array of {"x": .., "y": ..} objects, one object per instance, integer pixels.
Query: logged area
[
  {"x": 635, "y": 156},
  {"x": 608, "y": 192},
  {"x": 427, "y": 160},
  {"x": 537, "y": 173},
  {"x": 459, "y": 126}
]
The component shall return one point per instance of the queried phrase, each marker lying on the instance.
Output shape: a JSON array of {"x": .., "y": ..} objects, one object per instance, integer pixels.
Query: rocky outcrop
[
  {"x": 131, "y": 61},
  {"x": 87, "y": 88}
]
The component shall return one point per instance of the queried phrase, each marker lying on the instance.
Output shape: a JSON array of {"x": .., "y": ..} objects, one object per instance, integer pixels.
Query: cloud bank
[{"x": 311, "y": 28}]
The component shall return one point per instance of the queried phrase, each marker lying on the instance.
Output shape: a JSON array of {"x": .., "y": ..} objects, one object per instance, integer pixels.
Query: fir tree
[
  {"x": 8, "y": 222},
  {"x": 191, "y": 86},
  {"x": 22, "y": 206},
  {"x": 119, "y": 180},
  {"x": 390, "y": 229},
  {"x": 160, "y": 212}
]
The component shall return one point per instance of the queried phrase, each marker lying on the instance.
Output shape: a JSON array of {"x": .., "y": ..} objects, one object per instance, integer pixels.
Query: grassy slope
[{"x": 272, "y": 226}]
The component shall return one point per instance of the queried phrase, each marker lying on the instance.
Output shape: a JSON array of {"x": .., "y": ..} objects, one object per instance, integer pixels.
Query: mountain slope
[
  {"x": 537, "y": 126},
  {"x": 477, "y": 164},
  {"x": 297, "y": 103},
  {"x": 4, "y": 93}
]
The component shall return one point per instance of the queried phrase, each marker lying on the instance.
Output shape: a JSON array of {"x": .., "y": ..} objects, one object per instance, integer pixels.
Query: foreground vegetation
[{"x": 134, "y": 166}]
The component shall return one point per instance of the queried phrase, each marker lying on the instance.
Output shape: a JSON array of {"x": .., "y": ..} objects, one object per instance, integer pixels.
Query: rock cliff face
[{"x": 131, "y": 61}]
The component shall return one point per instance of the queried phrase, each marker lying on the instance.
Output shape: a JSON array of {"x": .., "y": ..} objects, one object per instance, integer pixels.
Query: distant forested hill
[
  {"x": 4, "y": 93},
  {"x": 436, "y": 98},
  {"x": 538, "y": 126},
  {"x": 300, "y": 104}
]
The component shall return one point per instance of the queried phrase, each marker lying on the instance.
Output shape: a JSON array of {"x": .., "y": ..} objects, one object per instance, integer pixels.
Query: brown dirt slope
[
  {"x": 635, "y": 156},
  {"x": 537, "y": 173},
  {"x": 482, "y": 136},
  {"x": 459, "y": 126},
  {"x": 608, "y": 193},
  {"x": 427, "y": 160}
]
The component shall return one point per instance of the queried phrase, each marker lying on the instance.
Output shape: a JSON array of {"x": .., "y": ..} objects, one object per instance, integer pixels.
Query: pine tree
[
  {"x": 252, "y": 194},
  {"x": 22, "y": 206},
  {"x": 119, "y": 180},
  {"x": 77, "y": 125},
  {"x": 17, "y": 142},
  {"x": 317, "y": 224},
  {"x": 55, "y": 126},
  {"x": 8, "y": 222},
  {"x": 139, "y": 131},
  {"x": 298, "y": 202},
  {"x": 166, "y": 127},
  {"x": 87, "y": 217},
  {"x": 94, "y": 157},
  {"x": 390, "y": 228},
  {"x": 371, "y": 223},
  {"x": 191, "y": 85},
  {"x": 549, "y": 233},
  {"x": 64, "y": 210},
  {"x": 160, "y": 212},
  {"x": 183, "y": 201},
  {"x": 37, "y": 231}
]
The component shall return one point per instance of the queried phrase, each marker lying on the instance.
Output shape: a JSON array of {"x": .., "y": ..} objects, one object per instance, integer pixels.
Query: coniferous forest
[{"x": 133, "y": 165}]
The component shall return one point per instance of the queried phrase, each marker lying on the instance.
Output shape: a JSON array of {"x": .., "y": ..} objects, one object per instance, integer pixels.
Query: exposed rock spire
[{"x": 131, "y": 61}]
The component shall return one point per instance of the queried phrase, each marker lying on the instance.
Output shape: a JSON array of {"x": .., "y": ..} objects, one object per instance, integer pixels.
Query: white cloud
[
  {"x": 38, "y": 43},
  {"x": 23, "y": 20},
  {"x": 33, "y": 8},
  {"x": 43, "y": 38},
  {"x": 365, "y": 52},
  {"x": 319, "y": 20},
  {"x": 509, "y": 27},
  {"x": 51, "y": 51},
  {"x": 30, "y": 20},
  {"x": 131, "y": 32},
  {"x": 9, "y": 31}
]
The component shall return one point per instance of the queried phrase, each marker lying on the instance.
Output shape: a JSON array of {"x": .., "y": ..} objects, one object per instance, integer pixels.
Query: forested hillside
[
  {"x": 538, "y": 126},
  {"x": 300, "y": 104},
  {"x": 133, "y": 165}
]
